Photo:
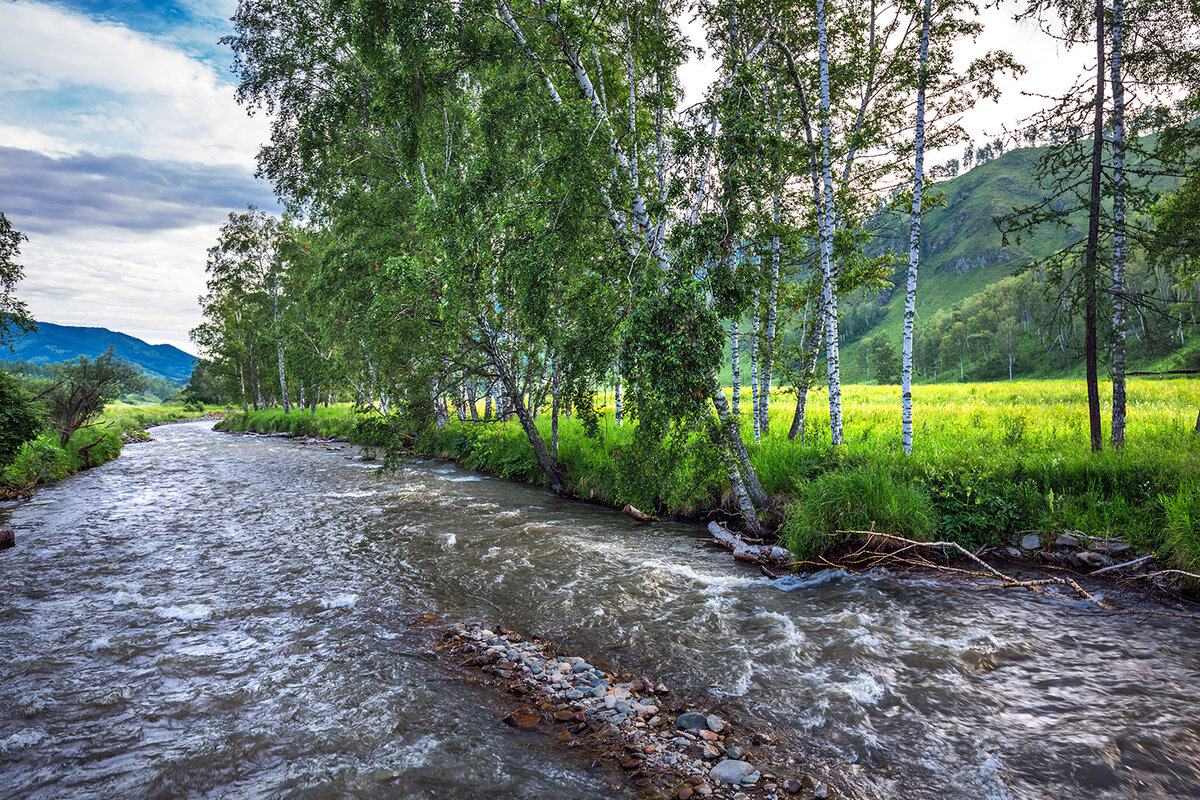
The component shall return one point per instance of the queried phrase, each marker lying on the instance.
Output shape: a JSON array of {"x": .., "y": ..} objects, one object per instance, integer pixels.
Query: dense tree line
[{"x": 504, "y": 206}]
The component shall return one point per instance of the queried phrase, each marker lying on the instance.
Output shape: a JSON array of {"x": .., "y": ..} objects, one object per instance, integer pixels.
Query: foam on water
[
  {"x": 21, "y": 739},
  {"x": 341, "y": 601},
  {"x": 188, "y": 613}
]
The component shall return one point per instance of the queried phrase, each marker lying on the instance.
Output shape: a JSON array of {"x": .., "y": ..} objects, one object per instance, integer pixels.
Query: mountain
[
  {"x": 53, "y": 343},
  {"x": 962, "y": 253}
]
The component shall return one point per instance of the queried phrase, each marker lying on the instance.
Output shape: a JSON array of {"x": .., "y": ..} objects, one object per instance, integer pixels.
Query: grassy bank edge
[{"x": 44, "y": 461}]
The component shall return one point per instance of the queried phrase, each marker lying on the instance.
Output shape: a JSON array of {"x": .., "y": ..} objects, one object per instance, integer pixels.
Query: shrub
[{"x": 1181, "y": 536}]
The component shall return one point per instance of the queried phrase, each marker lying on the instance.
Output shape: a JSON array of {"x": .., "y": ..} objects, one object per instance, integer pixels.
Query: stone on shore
[
  {"x": 1031, "y": 541},
  {"x": 731, "y": 771},
  {"x": 691, "y": 721}
]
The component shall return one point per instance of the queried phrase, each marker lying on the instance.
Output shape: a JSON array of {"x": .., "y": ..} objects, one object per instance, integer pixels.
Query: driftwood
[
  {"x": 755, "y": 554},
  {"x": 882, "y": 549},
  {"x": 638, "y": 515}
]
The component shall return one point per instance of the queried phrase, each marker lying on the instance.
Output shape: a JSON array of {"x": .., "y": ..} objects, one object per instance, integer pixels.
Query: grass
[
  {"x": 43, "y": 460},
  {"x": 989, "y": 459}
]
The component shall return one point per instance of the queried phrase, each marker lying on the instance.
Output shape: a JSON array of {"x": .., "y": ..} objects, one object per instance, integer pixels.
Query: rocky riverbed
[{"x": 665, "y": 746}]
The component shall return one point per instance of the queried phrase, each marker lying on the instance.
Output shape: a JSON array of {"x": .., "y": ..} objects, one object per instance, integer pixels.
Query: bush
[
  {"x": 1181, "y": 537},
  {"x": 859, "y": 498}
]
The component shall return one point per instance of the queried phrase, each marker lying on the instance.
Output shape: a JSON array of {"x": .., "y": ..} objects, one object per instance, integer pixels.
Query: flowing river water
[{"x": 223, "y": 616}]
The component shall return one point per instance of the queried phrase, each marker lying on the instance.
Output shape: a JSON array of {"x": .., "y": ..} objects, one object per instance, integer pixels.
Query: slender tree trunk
[
  {"x": 513, "y": 394},
  {"x": 914, "y": 242},
  {"x": 1119, "y": 254},
  {"x": 471, "y": 400},
  {"x": 555, "y": 385},
  {"x": 756, "y": 409},
  {"x": 735, "y": 365},
  {"x": 811, "y": 346},
  {"x": 1092, "y": 255},
  {"x": 768, "y": 355},
  {"x": 740, "y": 493},
  {"x": 487, "y": 402},
  {"x": 618, "y": 412},
  {"x": 826, "y": 218},
  {"x": 733, "y": 438}
]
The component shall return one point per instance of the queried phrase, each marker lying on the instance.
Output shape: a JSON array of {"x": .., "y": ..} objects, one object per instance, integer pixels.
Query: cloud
[
  {"x": 99, "y": 84},
  {"x": 46, "y": 194},
  {"x": 146, "y": 286}
]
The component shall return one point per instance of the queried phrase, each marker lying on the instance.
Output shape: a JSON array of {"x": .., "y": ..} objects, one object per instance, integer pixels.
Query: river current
[{"x": 224, "y": 616}]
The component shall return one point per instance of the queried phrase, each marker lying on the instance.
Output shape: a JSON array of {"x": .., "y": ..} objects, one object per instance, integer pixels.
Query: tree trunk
[
  {"x": 735, "y": 365},
  {"x": 767, "y": 359},
  {"x": 618, "y": 414},
  {"x": 755, "y": 409},
  {"x": 1092, "y": 254},
  {"x": 471, "y": 400},
  {"x": 733, "y": 439},
  {"x": 914, "y": 242},
  {"x": 554, "y": 388},
  {"x": 512, "y": 392},
  {"x": 811, "y": 345},
  {"x": 826, "y": 218},
  {"x": 283, "y": 392},
  {"x": 1118, "y": 285},
  {"x": 487, "y": 402}
]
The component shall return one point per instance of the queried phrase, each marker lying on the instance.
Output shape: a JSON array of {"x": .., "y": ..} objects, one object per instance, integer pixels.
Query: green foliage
[
  {"x": 81, "y": 387},
  {"x": 20, "y": 418},
  {"x": 858, "y": 498},
  {"x": 1181, "y": 537}
]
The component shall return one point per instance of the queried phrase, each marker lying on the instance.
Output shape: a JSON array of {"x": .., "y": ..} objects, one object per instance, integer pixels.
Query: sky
[{"x": 122, "y": 150}]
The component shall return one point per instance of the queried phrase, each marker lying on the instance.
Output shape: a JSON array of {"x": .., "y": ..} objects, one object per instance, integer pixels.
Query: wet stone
[
  {"x": 715, "y": 723},
  {"x": 731, "y": 771},
  {"x": 735, "y": 753},
  {"x": 691, "y": 721}
]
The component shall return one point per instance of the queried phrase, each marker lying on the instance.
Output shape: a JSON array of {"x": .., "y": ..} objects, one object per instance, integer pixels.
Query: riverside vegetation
[
  {"x": 45, "y": 459},
  {"x": 996, "y": 459}
]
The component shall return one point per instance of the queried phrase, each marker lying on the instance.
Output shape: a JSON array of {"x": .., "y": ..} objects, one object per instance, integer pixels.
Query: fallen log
[
  {"x": 638, "y": 515},
  {"x": 753, "y": 553}
]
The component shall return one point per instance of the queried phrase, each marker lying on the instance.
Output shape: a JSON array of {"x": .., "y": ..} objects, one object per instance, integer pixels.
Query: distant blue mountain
[{"x": 53, "y": 343}]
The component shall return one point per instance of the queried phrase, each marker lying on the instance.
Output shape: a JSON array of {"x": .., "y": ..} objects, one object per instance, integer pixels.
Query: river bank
[
  {"x": 44, "y": 461},
  {"x": 830, "y": 506}
]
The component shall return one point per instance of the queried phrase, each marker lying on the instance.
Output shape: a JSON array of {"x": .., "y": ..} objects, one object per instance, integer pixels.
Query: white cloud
[
  {"x": 139, "y": 94},
  {"x": 144, "y": 286}
]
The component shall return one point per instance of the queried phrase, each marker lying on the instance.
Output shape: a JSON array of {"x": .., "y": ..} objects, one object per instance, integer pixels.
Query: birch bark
[
  {"x": 826, "y": 237},
  {"x": 914, "y": 240},
  {"x": 1117, "y": 435}
]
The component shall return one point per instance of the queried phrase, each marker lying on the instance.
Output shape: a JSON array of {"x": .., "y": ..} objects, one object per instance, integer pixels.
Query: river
[{"x": 222, "y": 616}]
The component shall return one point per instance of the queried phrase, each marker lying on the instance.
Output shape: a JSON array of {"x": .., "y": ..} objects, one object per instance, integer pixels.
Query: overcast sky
[{"x": 122, "y": 151}]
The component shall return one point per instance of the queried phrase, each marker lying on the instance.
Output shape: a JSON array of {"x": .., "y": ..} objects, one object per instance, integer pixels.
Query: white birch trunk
[
  {"x": 735, "y": 365},
  {"x": 826, "y": 219},
  {"x": 1119, "y": 243},
  {"x": 757, "y": 411},
  {"x": 768, "y": 355},
  {"x": 283, "y": 392},
  {"x": 914, "y": 241},
  {"x": 618, "y": 414}
]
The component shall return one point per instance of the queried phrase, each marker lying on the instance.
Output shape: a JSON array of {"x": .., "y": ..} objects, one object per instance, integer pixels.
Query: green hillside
[
  {"x": 53, "y": 343},
  {"x": 962, "y": 255}
]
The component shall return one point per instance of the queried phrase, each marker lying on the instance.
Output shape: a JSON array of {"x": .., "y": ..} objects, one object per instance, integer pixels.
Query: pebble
[
  {"x": 822, "y": 792},
  {"x": 734, "y": 752},
  {"x": 691, "y": 721},
  {"x": 582, "y": 666},
  {"x": 685, "y": 793},
  {"x": 791, "y": 786},
  {"x": 715, "y": 723}
]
